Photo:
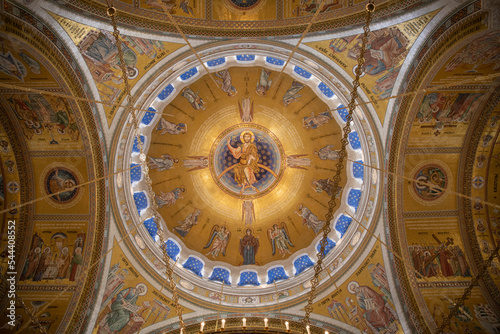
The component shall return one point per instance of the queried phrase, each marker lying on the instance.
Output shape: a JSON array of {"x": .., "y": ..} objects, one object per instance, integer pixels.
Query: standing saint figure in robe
[{"x": 245, "y": 170}]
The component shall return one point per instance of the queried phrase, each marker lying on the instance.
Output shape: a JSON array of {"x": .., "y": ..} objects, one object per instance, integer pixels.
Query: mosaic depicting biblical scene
[
  {"x": 185, "y": 8},
  {"x": 241, "y": 152},
  {"x": 129, "y": 302},
  {"x": 44, "y": 120},
  {"x": 364, "y": 299},
  {"x": 385, "y": 53},
  {"x": 101, "y": 56}
]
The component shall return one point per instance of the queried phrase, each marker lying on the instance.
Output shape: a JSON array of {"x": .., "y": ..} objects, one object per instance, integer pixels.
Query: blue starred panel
[
  {"x": 275, "y": 61},
  {"x": 342, "y": 110},
  {"x": 189, "y": 74},
  {"x": 166, "y": 92},
  {"x": 358, "y": 170},
  {"x": 354, "y": 140},
  {"x": 150, "y": 225},
  {"x": 343, "y": 224},
  {"x": 276, "y": 274},
  {"x": 135, "y": 173},
  {"x": 148, "y": 116},
  {"x": 303, "y": 73},
  {"x": 353, "y": 198},
  {"x": 216, "y": 62},
  {"x": 173, "y": 249},
  {"x": 220, "y": 275},
  {"x": 195, "y": 265},
  {"x": 328, "y": 248},
  {"x": 135, "y": 147},
  {"x": 249, "y": 278},
  {"x": 302, "y": 263},
  {"x": 325, "y": 90},
  {"x": 141, "y": 201},
  {"x": 245, "y": 57}
]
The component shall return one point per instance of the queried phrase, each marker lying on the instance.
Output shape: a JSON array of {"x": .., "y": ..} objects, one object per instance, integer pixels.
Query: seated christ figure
[{"x": 245, "y": 170}]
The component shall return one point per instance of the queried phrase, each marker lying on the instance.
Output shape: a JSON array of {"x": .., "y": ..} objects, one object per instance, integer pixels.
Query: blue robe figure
[{"x": 248, "y": 247}]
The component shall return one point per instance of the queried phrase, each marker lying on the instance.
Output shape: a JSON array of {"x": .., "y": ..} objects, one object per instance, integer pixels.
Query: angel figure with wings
[
  {"x": 219, "y": 238},
  {"x": 279, "y": 238}
]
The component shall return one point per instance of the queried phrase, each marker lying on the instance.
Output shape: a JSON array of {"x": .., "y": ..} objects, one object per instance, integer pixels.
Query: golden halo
[{"x": 251, "y": 134}]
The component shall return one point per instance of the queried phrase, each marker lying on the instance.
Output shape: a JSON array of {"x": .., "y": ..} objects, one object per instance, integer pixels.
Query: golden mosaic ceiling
[
  {"x": 257, "y": 219},
  {"x": 212, "y": 178},
  {"x": 249, "y": 18}
]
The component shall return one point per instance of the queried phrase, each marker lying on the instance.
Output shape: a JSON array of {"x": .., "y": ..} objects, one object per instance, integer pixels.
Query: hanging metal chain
[
  {"x": 339, "y": 166},
  {"x": 34, "y": 319},
  {"x": 145, "y": 168},
  {"x": 41, "y": 328},
  {"x": 457, "y": 305}
]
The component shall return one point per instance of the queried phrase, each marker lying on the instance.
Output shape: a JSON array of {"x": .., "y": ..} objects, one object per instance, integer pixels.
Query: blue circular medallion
[{"x": 247, "y": 161}]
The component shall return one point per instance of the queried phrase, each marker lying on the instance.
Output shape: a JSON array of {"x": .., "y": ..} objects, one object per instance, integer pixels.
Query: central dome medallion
[{"x": 247, "y": 161}]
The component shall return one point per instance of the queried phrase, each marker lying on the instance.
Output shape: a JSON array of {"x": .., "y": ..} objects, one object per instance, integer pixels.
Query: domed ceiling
[
  {"x": 241, "y": 172},
  {"x": 241, "y": 150}
]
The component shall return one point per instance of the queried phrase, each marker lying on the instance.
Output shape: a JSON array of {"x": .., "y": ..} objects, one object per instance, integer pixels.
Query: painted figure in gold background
[
  {"x": 186, "y": 224},
  {"x": 249, "y": 245},
  {"x": 310, "y": 219},
  {"x": 245, "y": 170},
  {"x": 279, "y": 238},
  {"x": 264, "y": 82},
  {"x": 219, "y": 238}
]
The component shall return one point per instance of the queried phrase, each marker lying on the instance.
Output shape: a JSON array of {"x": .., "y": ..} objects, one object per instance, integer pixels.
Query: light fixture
[
  {"x": 308, "y": 329},
  {"x": 244, "y": 324},
  {"x": 202, "y": 325},
  {"x": 287, "y": 325},
  {"x": 222, "y": 324},
  {"x": 266, "y": 327}
]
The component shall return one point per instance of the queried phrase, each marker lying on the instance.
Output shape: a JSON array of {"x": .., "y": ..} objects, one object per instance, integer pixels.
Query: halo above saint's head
[
  {"x": 351, "y": 286},
  {"x": 252, "y": 139},
  {"x": 144, "y": 288}
]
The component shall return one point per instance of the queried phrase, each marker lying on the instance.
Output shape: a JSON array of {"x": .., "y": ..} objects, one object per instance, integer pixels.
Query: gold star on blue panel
[
  {"x": 330, "y": 244},
  {"x": 245, "y": 57},
  {"x": 151, "y": 227},
  {"x": 303, "y": 73},
  {"x": 195, "y": 265},
  {"x": 353, "y": 198},
  {"x": 220, "y": 275},
  {"x": 354, "y": 140},
  {"x": 325, "y": 90},
  {"x": 249, "y": 278},
  {"x": 173, "y": 249},
  {"x": 135, "y": 173},
  {"x": 189, "y": 74},
  {"x": 342, "y": 224},
  {"x": 141, "y": 201},
  {"x": 342, "y": 112},
  {"x": 148, "y": 116},
  {"x": 216, "y": 62},
  {"x": 166, "y": 92},
  {"x": 135, "y": 147},
  {"x": 275, "y": 61},
  {"x": 302, "y": 263},
  {"x": 276, "y": 274},
  {"x": 358, "y": 170}
]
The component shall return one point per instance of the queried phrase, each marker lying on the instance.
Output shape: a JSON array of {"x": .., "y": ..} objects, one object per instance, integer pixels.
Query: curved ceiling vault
[{"x": 241, "y": 153}]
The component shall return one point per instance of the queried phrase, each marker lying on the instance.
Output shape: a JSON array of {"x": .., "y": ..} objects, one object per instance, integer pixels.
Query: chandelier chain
[
  {"x": 318, "y": 267},
  {"x": 145, "y": 168},
  {"x": 459, "y": 302}
]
